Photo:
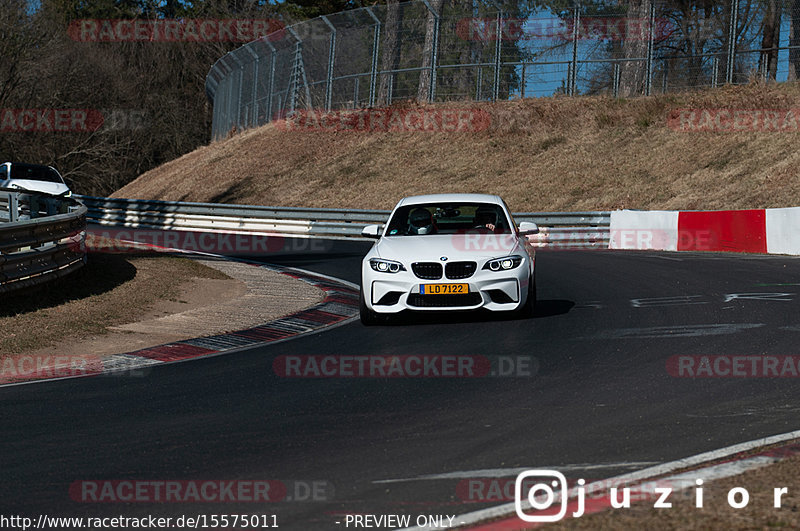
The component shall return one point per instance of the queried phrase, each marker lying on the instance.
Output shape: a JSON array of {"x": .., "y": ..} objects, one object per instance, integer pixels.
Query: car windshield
[
  {"x": 35, "y": 173},
  {"x": 448, "y": 218}
]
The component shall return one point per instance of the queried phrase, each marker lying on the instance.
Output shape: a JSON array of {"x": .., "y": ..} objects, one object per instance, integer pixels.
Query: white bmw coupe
[{"x": 448, "y": 252}]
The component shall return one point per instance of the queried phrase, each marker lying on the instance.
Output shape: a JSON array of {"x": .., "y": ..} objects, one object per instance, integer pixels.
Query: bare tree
[
  {"x": 633, "y": 73},
  {"x": 794, "y": 40},
  {"x": 423, "y": 90},
  {"x": 771, "y": 37},
  {"x": 390, "y": 53}
]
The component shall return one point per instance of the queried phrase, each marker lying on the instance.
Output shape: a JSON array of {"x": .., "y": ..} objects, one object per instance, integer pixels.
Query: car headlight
[
  {"x": 503, "y": 264},
  {"x": 386, "y": 266}
]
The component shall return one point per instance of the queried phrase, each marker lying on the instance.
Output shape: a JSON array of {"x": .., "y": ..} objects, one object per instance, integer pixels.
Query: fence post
[
  {"x": 648, "y": 84},
  {"x": 298, "y": 74},
  {"x": 268, "y": 111},
  {"x": 376, "y": 40},
  {"x": 239, "y": 96},
  {"x": 434, "y": 51},
  {"x": 331, "y": 57},
  {"x": 573, "y": 75},
  {"x": 254, "y": 103},
  {"x": 497, "y": 57},
  {"x": 215, "y": 112},
  {"x": 734, "y": 23},
  {"x": 714, "y": 71},
  {"x": 255, "y": 93},
  {"x": 229, "y": 85},
  {"x": 665, "y": 73},
  {"x": 615, "y": 80}
]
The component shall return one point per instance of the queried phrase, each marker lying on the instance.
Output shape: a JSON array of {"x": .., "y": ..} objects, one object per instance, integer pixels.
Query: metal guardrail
[
  {"x": 558, "y": 229},
  {"x": 41, "y": 238}
]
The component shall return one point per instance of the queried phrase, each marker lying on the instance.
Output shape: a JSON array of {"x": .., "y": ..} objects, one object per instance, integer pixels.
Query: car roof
[
  {"x": 28, "y": 164},
  {"x": 25, "y": 164},
  {"x": 451, "y": 198}
]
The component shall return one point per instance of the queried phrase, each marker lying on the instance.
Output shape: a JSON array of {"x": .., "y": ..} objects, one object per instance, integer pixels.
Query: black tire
[{"x": 368, "y": 317}]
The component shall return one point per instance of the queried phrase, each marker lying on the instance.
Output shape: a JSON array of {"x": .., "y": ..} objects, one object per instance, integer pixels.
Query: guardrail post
[
  {"x": 35, "y": 251},
  {"x": 13, "y": 207}
]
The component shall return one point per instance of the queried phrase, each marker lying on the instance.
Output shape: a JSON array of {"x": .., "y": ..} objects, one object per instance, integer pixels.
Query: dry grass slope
[{"x": 588, "y": 153}]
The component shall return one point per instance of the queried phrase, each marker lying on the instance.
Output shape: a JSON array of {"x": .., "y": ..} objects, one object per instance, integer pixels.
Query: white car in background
[
  {"x": 448, "y": 252},
  {"x": 33, "y": 177}
]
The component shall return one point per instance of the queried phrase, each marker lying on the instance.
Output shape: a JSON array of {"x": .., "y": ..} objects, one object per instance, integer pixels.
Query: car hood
[
  {"x": 38, "y": 186},
  {"x": 474, "y": 247}
]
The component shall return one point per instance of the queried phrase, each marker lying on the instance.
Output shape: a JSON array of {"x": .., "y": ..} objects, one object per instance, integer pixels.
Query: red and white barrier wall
[{"x": 772, "y": 230}]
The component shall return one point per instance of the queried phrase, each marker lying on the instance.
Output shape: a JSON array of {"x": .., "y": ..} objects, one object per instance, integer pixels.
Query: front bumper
[{"x": 496, "y": 291}]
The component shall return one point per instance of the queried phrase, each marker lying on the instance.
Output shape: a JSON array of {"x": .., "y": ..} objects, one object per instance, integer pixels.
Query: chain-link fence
[{"x": 447, "y": 50}]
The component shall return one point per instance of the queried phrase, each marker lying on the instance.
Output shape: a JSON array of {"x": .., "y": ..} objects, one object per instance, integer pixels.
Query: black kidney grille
[
  {"x": 455, "y": 270},
  {"x": 427, "y": 270}
]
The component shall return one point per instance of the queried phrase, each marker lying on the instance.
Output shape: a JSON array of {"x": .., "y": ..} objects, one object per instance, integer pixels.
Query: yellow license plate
[{"x": 443, "y": 289}]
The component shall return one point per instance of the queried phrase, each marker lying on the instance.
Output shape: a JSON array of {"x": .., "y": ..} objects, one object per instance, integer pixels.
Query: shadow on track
[{"x": 544, "y": 308}]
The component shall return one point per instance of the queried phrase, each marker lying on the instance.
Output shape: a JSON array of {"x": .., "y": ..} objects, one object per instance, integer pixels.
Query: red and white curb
[
  {"x": 339, "y": 306},
  {"x": 708, "y": 466},
  {"x": 762, "y": 231}
]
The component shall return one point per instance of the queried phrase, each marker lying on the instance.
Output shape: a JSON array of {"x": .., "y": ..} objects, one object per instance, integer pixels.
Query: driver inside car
[
  {"x": 420, "y": 221},
  {"x": 485, "y": 218}
]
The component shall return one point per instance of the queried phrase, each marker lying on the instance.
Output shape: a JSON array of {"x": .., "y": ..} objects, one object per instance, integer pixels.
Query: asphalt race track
[{"x": 598, "y": 402}]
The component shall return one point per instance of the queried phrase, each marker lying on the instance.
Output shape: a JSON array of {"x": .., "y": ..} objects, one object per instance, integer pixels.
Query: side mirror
[
  {"x": 372, "y": 231},
  {"x": 528, "y": 227}
]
